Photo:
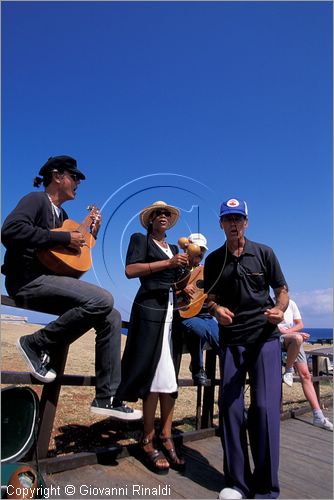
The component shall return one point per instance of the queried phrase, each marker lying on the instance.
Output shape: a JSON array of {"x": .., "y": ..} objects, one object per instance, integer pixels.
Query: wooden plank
[
  {"x": 134, "y": 474},
  {"x": 48, "y": 406},
  {"x": 12, "y": 377},
  {"x": 88, "y": 482},
  {"x": 130, "y": 473},
  {"x": 322, "y": 351},
  {"x": 207, "y": 452},
  {"x": 306, "y": 469},
  {"x": 105, "y": 455},
  {"x": 307, "y": 458},
  {"x": 209, "y": 390}
]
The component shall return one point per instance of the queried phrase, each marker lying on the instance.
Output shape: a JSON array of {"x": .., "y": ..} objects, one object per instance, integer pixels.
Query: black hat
[{"x": 61, "y": 163}]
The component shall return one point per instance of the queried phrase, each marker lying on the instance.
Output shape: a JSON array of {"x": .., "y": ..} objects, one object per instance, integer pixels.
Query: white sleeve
[{"x": 295, "y": 311}]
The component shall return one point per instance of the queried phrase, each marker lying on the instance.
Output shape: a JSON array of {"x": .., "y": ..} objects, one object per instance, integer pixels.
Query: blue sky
[{"x": 187, "y": 102}]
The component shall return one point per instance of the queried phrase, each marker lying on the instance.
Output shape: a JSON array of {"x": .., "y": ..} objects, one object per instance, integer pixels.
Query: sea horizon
[
  {"x": 323, "y": 333},
  {"x": 320, "y": 334}
]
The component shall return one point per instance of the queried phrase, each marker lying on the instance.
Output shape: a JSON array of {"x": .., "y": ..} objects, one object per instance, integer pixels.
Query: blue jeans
[
  {"x": 80, "y": 307},
  {"x": 198, "y": 330}
]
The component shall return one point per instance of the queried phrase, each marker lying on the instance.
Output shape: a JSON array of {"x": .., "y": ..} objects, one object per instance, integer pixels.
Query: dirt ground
[{"x": 76, "y": 429}]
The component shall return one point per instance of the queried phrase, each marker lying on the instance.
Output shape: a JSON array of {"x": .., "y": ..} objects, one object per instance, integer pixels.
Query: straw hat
[{"x": 146, "y": 213}]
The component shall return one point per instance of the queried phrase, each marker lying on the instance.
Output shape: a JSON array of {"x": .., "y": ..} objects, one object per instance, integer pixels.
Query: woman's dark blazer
[{"x": 144, "y": 341}]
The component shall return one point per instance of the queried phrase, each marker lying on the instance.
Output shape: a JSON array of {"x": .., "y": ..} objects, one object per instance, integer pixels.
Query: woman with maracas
[{"x": 149, "y": 362}]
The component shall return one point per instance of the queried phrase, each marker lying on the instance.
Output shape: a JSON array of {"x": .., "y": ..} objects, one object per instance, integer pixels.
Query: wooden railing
[
  {"x": 50, "y": 392},
  {"x": 204, "y": 410}
]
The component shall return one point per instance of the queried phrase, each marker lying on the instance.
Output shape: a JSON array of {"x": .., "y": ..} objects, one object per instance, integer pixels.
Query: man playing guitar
[
  {"x": 197, "y": 324},
  {"x": 38, "y": 225}
]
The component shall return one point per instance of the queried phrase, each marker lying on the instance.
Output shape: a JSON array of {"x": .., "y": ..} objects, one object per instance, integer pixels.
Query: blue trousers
[
  {"x": 198, "y": 330},
  {"x": 262, "y": 362},
  {"x": 80, "y": 307}
]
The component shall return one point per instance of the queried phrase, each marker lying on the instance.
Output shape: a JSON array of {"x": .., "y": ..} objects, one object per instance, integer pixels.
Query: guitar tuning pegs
[{"x": 93, "y": 208}]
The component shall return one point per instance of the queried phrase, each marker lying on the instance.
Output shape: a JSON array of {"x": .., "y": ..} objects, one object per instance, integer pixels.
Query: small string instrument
[
  {"x": 189, "y": 307},
  {"x": 67, "y": 261}
]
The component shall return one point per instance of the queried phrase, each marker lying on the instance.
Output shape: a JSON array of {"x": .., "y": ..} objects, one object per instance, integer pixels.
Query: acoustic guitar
[
  {"x": 191, "y": 307},
  {"x": 66, "y": 261}
]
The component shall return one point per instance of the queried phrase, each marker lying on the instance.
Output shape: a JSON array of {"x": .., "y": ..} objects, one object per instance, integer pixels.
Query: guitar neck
[{"x": 85, "y": 224}]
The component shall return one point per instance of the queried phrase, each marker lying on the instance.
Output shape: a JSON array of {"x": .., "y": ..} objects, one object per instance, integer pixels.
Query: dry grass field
[{"x": 76, "y": 429}]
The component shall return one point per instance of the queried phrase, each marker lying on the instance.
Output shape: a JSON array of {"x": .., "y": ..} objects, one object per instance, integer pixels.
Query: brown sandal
[
  {"x": 152, "y": 458},
  {"x": 176, "y": 462}
]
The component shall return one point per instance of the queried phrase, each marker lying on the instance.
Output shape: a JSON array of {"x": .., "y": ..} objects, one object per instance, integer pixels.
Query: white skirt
[{"x": 164, "y": 379}]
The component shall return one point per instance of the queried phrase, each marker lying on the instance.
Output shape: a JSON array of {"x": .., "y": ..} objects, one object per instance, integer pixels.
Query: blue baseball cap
[{"x": 233, "y": 206}]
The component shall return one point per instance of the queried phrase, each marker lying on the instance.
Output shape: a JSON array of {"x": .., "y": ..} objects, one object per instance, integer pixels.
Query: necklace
[{"x": 161, "y": 242}]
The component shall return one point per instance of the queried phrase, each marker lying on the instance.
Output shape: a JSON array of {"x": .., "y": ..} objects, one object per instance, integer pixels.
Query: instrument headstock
[
  {"x": 94, "y": 212},
  {"x": 93, "y": 208}
]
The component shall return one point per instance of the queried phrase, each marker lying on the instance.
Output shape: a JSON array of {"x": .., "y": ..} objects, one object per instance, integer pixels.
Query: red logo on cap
[{"x": 232, "y": 203}]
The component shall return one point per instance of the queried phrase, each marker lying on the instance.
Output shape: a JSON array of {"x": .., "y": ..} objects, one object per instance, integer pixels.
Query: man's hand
[
  {"x": 77, "y": 240},
  {"x": 189, "y": 290},
  {"x": 179, "y": 260},
  {"x": 274, "y": 315},
  {"x": 223, "y": 315}
]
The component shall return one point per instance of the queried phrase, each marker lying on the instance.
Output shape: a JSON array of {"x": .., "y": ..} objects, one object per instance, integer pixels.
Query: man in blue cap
[
  {"x": 79, "y": 305},
  {"x": 238, "y": 277}
]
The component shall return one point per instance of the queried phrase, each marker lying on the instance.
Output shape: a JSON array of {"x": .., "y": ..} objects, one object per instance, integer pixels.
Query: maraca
[
  {"x": 183, "y": 242},
  {"x": 193, "y": 250},
  {"x": 190, "y": 248}
]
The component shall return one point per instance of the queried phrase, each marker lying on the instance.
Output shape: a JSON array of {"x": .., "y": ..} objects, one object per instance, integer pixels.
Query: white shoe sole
[
  {"x": 321, "y": 426},
  {"x": 287, "y": 382},
  {"x": 230, "y": 493},
  {"x": 117, "y": 415},
  {"x": 51, "y": 373}
]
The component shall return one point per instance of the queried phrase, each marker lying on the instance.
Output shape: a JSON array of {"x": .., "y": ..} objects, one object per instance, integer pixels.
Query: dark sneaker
[
  {"x": 114, "y": 409},
  {"x": 38, "y": 362},
  {"x": 200, "y": 378}
]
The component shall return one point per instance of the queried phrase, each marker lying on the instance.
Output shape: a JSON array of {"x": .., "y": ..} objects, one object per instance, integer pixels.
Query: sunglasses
[
  {"x": 233, "y": 218},
  {"x": 74, "y": 177},
  {"x": 167, "y": 213}
]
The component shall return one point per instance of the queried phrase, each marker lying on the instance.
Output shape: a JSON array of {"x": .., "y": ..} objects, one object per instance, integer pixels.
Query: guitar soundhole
[{"x": 200, "y": 284}]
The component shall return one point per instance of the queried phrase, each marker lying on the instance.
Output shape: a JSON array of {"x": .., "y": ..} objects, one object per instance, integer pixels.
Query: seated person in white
[{"x": 292, "y": 339}]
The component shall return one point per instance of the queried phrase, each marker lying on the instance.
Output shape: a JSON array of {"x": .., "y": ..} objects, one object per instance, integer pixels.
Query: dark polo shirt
[{"x": 243, "y": 285}]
